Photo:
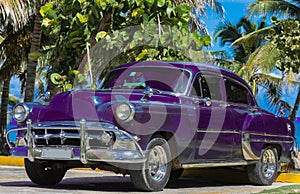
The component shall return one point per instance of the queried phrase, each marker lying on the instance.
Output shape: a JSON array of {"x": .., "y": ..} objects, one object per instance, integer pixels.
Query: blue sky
[{"x": 234, "y": 11}]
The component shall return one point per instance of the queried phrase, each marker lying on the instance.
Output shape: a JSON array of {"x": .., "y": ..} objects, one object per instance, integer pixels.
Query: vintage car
[{"x": 151, "y": 120}]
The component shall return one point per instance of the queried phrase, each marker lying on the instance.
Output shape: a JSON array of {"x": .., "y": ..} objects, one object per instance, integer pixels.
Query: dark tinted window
[
  {"x": 211, "y": 87},
  {"x": 207, "y": 86},
  {"x": 195, "y": 92},
  {"x": 235, "y": 92}
]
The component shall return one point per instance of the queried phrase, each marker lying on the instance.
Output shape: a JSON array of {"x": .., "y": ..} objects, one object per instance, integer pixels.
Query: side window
[
  {"x": 211, "y": 87},
  {"x": 235, "y": 92},
  {"x": 195, "y": 92},
  {"x": 200, "y": 88}
]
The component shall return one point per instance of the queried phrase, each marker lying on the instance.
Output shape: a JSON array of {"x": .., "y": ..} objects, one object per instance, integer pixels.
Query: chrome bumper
[
  {"x": 121, "y": 148},
  {"x": 295, "y": 154}
]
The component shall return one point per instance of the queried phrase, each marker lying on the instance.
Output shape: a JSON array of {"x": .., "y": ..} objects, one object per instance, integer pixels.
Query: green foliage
[
  {"x": 34, "y": 55},
  {"x": 73, "y": 23},
  {"x": 285, "y": 36},
  {"x": 66, "y": 82},
  {"x": 276, "y": 7}
]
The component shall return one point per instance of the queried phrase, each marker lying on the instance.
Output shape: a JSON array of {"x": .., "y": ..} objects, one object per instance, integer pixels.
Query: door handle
[
  {"x": 206, "y": 101},
  {"x": 224, "y": 105}
]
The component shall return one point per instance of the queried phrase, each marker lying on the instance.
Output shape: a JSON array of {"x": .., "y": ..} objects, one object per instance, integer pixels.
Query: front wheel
[
  {"x": 264, "y": 172},
  {"x": 156, "y": 171},
  {"x": 43, "y": 174}
]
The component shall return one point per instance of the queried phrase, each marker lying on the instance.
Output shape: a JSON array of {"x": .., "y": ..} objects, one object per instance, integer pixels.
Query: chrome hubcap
[
  {"x": 157, "y": 163},
  {"x": 268, "y": 163}
]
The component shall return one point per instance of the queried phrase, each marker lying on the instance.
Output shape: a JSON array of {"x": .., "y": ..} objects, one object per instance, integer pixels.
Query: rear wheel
[
  {"x": 156, "y": 172},
  {"x": 264, "y": 172},
  {"x": 43, "y": 174}
]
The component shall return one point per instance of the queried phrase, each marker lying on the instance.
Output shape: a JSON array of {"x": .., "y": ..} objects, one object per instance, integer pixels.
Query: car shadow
[{"x": 197, "y": 179}]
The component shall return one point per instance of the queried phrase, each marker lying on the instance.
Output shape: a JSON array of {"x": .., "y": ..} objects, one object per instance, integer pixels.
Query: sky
[{"x": 234, "y": 11}]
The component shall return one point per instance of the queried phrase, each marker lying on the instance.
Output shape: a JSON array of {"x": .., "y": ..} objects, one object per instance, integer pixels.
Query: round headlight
[
  {"x": 125, "y": 112},
  {"x": 20, "y": 112}
]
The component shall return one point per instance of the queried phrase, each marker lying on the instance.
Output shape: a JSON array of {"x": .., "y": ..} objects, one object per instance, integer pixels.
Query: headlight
[
  {"x": 20, "y": 112},
  {"x": 125, "y": 112}
]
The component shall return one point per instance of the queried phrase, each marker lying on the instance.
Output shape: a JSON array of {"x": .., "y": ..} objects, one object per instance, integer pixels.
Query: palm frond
[
  {"x": 274, "y": 7},
  {"x": 252, "y": 36},
  {"x": 16, "y": 11},
  {"x": 264, "y": 57},
  {"x": 227, "y": 32},
  {"x": 296, "y": 2}
]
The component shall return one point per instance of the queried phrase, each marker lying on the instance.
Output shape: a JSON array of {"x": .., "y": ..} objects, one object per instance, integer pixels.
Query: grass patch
[{"x": 283, "y": 190}]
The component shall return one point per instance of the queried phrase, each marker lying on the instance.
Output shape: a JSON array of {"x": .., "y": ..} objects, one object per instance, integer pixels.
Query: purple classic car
[{"x": 151, "y": 120}]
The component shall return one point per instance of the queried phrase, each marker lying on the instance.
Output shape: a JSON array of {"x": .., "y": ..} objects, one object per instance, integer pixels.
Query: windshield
[{"x": 160, "y": 78}]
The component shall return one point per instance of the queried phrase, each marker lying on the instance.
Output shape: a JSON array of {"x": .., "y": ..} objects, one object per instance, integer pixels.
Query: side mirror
[{"x": 148, "y": 92}]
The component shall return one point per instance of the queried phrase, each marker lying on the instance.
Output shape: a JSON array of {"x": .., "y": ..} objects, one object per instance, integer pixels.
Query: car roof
[{"x": 193, "y": 67}]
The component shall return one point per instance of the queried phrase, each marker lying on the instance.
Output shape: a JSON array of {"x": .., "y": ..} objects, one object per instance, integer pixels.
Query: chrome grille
[{"x": 56, "y": 136}]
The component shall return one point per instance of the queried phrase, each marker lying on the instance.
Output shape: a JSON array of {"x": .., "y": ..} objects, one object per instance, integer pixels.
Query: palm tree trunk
[
  {"x": 3, "y": 114},
  {"x": 293, "y": 113},
  {"x": 32, "y": 63}
]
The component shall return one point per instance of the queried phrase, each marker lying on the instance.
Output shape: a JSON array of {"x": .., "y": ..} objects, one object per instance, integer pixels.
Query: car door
[
  {"x": 238, "y": 105},
  {"x": 214, "y": 134}
]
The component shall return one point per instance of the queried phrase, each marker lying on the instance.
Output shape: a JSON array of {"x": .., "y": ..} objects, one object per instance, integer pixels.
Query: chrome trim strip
[
  {"x": 61, "y": 135},
  {"x": 268, "y": 135},
  {"x": 218, "y": 131},
  {"x": 269, "y": 141},
  {"x": 83, "y": 141},
  {"x": 247, "y": 150},
  {"x": 240, "y": 132},
  {"x": 56, "y": 127},
  {"x": 216, "y": 164}
]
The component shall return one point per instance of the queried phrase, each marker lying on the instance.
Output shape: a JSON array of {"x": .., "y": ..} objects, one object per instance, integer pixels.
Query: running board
[{"x": 223, "y": 164}]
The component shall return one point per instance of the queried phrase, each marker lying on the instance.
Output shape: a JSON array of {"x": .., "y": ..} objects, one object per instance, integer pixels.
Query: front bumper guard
[{"x": 85, "y": 153}]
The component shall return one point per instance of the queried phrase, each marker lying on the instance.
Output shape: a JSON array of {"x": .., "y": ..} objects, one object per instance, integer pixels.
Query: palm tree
[
  {"x": 228, "y": 33},
  {"x": 283, "y": 7},
  {"x": 14, "y": 14},
  {"x": 13, "y": 51},
  {"x": 35, "y": 48},
  {"x": 289, "y": 9},
  {"x": 245, "y": 61},
  {"x": 19, "y": 11}
]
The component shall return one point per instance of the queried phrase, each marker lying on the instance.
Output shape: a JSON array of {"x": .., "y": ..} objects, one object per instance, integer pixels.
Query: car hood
[{"x": 95, "y": 105}]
